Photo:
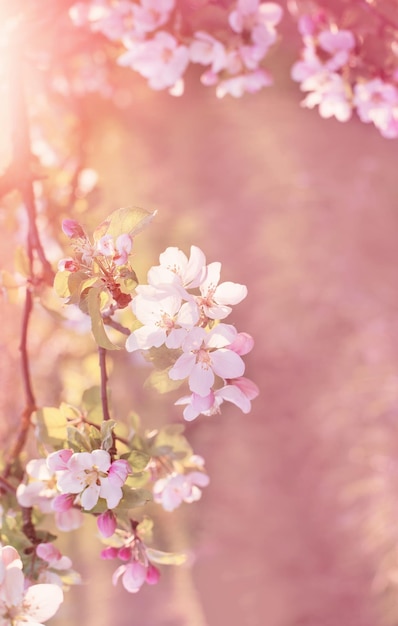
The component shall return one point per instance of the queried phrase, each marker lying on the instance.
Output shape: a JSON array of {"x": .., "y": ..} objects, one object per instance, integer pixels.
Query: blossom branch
[{"x": 104, "y": 381}]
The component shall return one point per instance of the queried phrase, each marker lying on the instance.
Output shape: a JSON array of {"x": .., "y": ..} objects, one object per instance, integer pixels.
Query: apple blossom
[
  {"x": 205, "y": 354},
  {"x": 90, "y": 475},
  {"x": 162, "y": 60},
  {"x": 175, "y": 488},
  {"x": 377, "y": 101},
  {"x": 166, "y": 320},
  {"x": 20, "y": 603},
  {"x": 41, "y": 491}
]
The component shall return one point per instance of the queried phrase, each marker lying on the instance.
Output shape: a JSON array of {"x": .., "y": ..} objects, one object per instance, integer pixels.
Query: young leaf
[
  {"x": 130, "y": 220},
  {"x": 61, "y": 284},
  {"x": 51, "y": 426},
  {"x": 97, "y": 324},
  {"x": 166, "y": 558},
  {"x": 107, "y": 434},
  {"x": 134, "y": 497}
]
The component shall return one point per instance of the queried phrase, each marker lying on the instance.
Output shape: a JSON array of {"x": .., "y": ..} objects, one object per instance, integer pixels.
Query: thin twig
[
  {"x": 6, "y": 486},
  {"x": 104, "y": 381},
  {"x": 113, "y": 324}
]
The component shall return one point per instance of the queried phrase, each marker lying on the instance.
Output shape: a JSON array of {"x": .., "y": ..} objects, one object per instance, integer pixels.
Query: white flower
[
  {"x": 171, "y": 491},
  {"x": 205, "y": 355},
  {"x": 20, "y": 605},
  {"x": 215, "y": 298}
]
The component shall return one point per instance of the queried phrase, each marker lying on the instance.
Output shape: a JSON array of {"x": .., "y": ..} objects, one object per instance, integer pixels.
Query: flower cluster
[
  {"x": 41, "y": 491},
  {"x": 180, "y": 308},
  {"x": 161, "y": 39},
  {"x": 21, "y": 601},
  {"x": 332, "y": 73},
  {"x": 84, "y": 477}
]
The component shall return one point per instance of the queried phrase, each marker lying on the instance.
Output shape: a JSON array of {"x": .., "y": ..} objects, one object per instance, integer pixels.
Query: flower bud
[
  {"x": 106, "y": 523},
  {"x": 124, "y": 553},
  {"x": 152, "y": 575},
  {"x": 109, "y": 553},
  {"x": 63, "y": 502},
  {"x": 72, "y": 229}
]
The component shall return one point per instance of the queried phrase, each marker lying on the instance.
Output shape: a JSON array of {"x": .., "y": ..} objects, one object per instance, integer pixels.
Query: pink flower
[
  {"x": 215, "y": 298},
  {"x": 250, "y": 82},
  {"x": 240, "y": 391},
  {"x": 41, "y": 491},
  {"x": 151, "y": 14},
  {"x": 377, "y": 101},
  {"x": 91, "y": 475},
  {"x": 205, "y": 354},
  {"x": 207, "y": 50},
  {"x": 260, "y": 19},
  {"x": 133, "y": 576},
  {"x": 176, "y": 269},
  {"x": 338, "y": 44},
  {"x": 331, "y": 93},
  {"x": 162, "y": 60},
  {"x": 171, "y": 491},
  {"x": 49, "y": 553},
  {"x": 72, "y": 229},
  {"x": 18, "y": 603},
  {"x": 166, "y": 320}
]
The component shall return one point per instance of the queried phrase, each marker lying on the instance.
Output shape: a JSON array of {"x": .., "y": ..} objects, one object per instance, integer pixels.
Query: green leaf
[
  {"x": 127, "y": 281},
  {"x": 159, "y": 380},
  {"x": 138, "y": 480},
  {"x": 145, "y": 528},
  {"x": 134, "y": 497},
  {"x": 138, "y": 460},
  {"x": 61, "y": 284},
  {"x": 51, "y": 426},
  {"x": 97, "y": 324},
  {"x": 107, "y": 434},
  {"x": 166, "y": 558},
  {"x": 91, "y": 404},
  {"x": 162, "y": 357},
  {"x": 129, "y": 220},
  {"x": 77, "y": 440}
]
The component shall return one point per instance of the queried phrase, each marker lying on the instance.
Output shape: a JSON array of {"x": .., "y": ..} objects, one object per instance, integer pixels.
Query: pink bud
[
  {"x": 109, "y": 553},
  {"x": 58, "y": 460},
  {"x": 72, "y": 229},
  {"x": 118, "y": 472},
  {"x": 48, "y": 552},
  {"x": 124, "y": 553},
  {"x": 63, "y": 502},
  {"x": 247, "y": 387},
  {"x": 68, "y": 265},
  {"x": 152, "y": 575},
  {"x": 106, "y": 523},
  {"x": 242, "y": 344}
]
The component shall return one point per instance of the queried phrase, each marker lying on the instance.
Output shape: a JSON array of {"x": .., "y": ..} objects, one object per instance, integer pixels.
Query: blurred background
[{"x": 299, "y": 525}]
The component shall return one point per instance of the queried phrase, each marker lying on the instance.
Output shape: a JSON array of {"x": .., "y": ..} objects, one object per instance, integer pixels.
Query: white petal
[
  {"x": 182, "y": 367},
  {"x": 89, "y": 497},
  {"x": 230, "y": 293},
  {"x": 201, "y": 379},
  {"x": 227, "y": 364},
  {"x": 102, "y": 459},
  {"x": 42, "y": 602}
]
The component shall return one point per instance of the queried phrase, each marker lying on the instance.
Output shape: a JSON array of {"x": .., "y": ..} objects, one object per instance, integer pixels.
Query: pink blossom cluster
[
  {"x": 181, "y": 308},
  {"x": 106, "y": 250},
  {"x": 40, "y": 491},
  {"x": 137, "y": 567},
  {"x": 84, "y": 477},
  {"x": 174, "y": 484},
  {"x": 160, "y": 45},
  {"x": 20, "y": 601},
  {"x": 330, "y": 73}
]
